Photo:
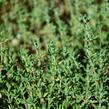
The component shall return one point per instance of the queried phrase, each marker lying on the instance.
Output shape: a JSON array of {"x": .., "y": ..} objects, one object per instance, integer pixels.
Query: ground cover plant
[{"x": 54, "y": 54}]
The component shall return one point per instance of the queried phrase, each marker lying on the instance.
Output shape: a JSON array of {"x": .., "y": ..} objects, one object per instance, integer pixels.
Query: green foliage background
[{"x": 54, "y": 54}]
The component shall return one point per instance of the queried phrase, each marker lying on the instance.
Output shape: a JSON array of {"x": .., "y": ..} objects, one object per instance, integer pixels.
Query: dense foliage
[{"x": 54, "y": 54}]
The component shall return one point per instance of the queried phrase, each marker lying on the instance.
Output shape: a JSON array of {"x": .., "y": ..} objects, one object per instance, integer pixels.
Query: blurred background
[{"x": 23, "y": 20}]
